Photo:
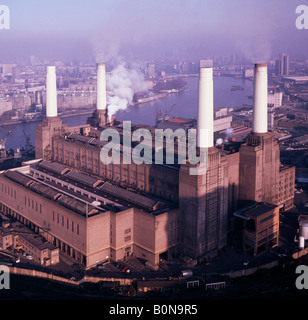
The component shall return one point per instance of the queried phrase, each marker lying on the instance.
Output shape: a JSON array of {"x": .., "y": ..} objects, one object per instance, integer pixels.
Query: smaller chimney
[
  {"x": 51, "y": 92},
  {"x": 260, "y": 99},
  {"x": 205, "y": 138},
  {"x": 101, "y": 94}
]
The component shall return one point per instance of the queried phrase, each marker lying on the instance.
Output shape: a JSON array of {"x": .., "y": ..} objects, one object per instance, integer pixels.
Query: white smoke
[
  {"x": 123, "y": 82},
  {"x": 219, "y": 141},
  {"x": 229, "y": 134}
]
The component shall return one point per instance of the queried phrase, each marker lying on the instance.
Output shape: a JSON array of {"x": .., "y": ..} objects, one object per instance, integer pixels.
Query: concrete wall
[
  {"x": 204, "y": 209},
  {"x": 259, "y": 168}
]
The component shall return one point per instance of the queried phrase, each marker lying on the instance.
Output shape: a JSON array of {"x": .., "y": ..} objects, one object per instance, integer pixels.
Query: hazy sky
[{"x": 77, "y": 29}]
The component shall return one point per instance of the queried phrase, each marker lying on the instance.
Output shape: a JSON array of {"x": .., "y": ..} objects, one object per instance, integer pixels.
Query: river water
[{"x": 185, "y": 105}]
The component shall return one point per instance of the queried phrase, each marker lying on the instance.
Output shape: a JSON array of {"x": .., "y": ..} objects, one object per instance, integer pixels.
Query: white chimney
[
  {"x": 101, "y": 95},
  {"x": 205, "y": 138},
  {"x": 260, "y": 99},
  {"x": 51, "y": 92}
]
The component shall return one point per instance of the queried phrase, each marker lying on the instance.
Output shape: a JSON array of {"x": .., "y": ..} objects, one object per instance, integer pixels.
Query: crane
[
  {"x": 2, "y": 145},
  {"x": 27, "y": 137},
  {"x": 3, "y": 141},
  {"x": 167, "y": 114}
]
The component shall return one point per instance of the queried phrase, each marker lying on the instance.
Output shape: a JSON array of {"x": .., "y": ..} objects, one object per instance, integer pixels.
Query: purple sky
[{"x": 146, "y": 29}]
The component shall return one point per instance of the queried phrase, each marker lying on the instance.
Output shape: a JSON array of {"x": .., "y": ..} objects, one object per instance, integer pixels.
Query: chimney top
[
  {"x": 205, "y": 129},
  {"x": 260, "y": 99},
  {"x": 51, "y": 92}
]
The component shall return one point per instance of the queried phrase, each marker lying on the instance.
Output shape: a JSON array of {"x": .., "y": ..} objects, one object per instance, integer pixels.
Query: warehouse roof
[
  {"x": 18, "y": 177},
  {"x": 45, "y": 190},
  {"x": 107, "y": 190},
  {"x": 54, "y": 167},
  {"x": 77, "y": 205},
  {"x": 53, "y": 193},
  {"x": 130, "y": 196}
]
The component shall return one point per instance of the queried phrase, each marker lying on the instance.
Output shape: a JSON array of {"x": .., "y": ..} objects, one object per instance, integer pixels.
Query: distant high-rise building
[
  {"x": 283, "y": 65},
  {"x": 16, "y": 73}
]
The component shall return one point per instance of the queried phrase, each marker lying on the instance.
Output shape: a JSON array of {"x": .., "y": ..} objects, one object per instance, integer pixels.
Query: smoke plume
[
  {"x": 122, "y": 82},
  {"x": 229, "y": 134}
]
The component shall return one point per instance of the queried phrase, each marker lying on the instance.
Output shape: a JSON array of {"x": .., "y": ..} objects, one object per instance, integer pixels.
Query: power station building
[{"x": 95, "y": 211}]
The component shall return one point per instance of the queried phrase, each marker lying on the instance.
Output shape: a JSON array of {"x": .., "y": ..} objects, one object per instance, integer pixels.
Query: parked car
[
  {"x": 126, "y": 269},
  {"x": 29, "y": 257}
]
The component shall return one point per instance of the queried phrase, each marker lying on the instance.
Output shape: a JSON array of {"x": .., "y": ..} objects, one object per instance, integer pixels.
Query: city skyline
[{"x": 146, "y": 30}]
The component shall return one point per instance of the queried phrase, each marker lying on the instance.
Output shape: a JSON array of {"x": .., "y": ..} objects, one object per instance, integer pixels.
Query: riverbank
[{"x": 71, "y": 114}]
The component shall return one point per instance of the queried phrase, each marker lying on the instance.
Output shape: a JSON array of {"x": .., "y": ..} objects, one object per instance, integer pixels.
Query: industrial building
[
  {"x": 18, "y": 236},
  {"x": 260, "y": 227},
  {"x": 95, "y": 211}
]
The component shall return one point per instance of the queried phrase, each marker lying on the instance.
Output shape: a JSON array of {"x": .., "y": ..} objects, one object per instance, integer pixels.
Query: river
[{"x": 185, "y": 105}]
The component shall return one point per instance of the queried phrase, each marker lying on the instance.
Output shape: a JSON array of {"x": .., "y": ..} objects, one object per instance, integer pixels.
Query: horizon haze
[{"x": 99, "y": 30}]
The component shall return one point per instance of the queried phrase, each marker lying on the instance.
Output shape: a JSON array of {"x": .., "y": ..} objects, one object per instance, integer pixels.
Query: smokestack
[
  {"x": 205, "y": 108},
  {"x": 101, "y": 95},
  {"x": 260, "y": 99},
  {"x": 51, "y": 92}
]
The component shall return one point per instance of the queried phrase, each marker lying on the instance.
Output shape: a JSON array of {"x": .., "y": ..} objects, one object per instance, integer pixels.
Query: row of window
[
  {"x": 38, "y": 207},
  {"x": 65, "y": 222},
  {"x": 9, "y": 191},
  {"x": 286, "y": 179},
  {"x": 286, "y": 186},
  {"x": 33, "y": 204},
  {"x": 126, "y": 231}
]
